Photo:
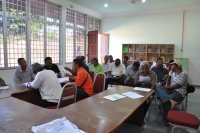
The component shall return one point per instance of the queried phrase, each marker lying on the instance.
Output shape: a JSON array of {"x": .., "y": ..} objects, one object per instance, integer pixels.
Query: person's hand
[
  {"x": 68, "y": 75},
  {"x": 67, "y": 68}
]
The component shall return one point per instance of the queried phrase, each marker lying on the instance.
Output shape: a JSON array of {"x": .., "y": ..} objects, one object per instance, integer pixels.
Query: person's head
[
  {"x": 106, "y": 58},
  {"x": 170, "y": 64},
  {"x": 95, "y": 61},
  {"x": 48, "y": 61},
  {"x": 77, "y": 63},
  {"x": 83, "y": 58},
  {"x": 176, "y": 66},
  {"x": 111, "y": 58},
  {"x": 136, "y": 65},
  {"x": 125, "y": 59},
  {"x": 144, "y": 66},
  {"x": 159, "y": 62},
  {"x": 22, "y": 63},
  {"x": 117, "y": 62},
  {"x": 36, "y": 67}
]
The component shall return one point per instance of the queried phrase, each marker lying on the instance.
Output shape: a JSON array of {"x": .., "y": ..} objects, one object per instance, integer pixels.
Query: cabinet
[{"x": 149, "y": 52}]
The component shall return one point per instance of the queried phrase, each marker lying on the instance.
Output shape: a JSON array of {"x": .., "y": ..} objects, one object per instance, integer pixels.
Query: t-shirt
[
  {"x": 81, "y": 76},
  {"x": 47, "y": 83},
  {"x": 106, "y": 66},
  {"x": 54, "y": 68},
  {"x": 97, "y": 69},
  {"x": 117, "y": 70},
  {"x": 160, "y": 72}
]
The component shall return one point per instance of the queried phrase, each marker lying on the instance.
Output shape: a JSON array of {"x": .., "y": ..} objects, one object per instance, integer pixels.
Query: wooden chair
[
  {"x": 99, "y": 83},
  {"x": 68, "y": 96},
  {"x": 183, "y": 120}
]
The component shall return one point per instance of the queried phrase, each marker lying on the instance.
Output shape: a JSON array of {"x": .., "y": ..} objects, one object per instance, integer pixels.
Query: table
[{"x": 93, "y": 115}]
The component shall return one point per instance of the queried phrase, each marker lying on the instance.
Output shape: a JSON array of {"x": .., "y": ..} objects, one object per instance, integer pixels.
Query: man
[
  {"x": 23, "y": 73},
  {"x": 125, "y": 61},
  {"x": 160, "y": 71},
  {"x": 116, "y": 73},
  {"x": 47, "y": 83},
  {"x": 82, "y": 79},
  {"x": 145, "y": 77},
  {"x": 111, "y": 59},
  {"x": 96, "y": 67},
  {"x": 106, "y": 64},
  {"x": 175, "y": 91},
  {"x": 131, "y": 71},
  {"x": 50, "y": 66}
]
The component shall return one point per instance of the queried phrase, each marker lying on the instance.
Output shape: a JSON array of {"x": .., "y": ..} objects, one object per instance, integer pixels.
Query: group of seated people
[{"x": 170, "y": 84}]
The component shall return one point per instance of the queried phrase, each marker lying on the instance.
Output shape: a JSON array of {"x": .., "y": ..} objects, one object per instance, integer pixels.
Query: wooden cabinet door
[{"x": 92, "y": 44}]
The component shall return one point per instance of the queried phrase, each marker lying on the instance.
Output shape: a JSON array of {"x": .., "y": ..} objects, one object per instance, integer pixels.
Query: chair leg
[{"x": 172, "y": 129}]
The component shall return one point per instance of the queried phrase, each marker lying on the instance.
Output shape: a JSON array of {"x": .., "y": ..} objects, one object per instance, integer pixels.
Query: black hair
[
  {"x": 136, "y": 63},
  {"x": 95, "y": 59},
  {"x": 78, "y": 61},
  {"x": 19, "y": 60},
  {"x": 171, "y": 61},
  {"x": 126, "y": 57},
  {"x": 47, "y": 58}
]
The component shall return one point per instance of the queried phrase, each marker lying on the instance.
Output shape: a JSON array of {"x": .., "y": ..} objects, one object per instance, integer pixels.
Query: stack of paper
[
  {"x": 63, "y": 80},
  {"x": 141, "y": 89},
  {"x": 114, "y": 97},
  {"x": 132, "y": 95},
  {"x": 61, "y": 125},
  {"x": 4, "y": 87}
]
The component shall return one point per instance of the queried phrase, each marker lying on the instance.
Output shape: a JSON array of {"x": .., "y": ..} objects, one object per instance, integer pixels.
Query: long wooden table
[{"x": 93, "y": 115}]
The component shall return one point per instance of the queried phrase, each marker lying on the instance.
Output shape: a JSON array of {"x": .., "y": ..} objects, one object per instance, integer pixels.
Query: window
[
  {"x": 1, "y": 43},
  {"x": 93, "y": 24},
  {"x": 16, "y": 31},
  {"x": 75, "y": 34},
  {"x": 53, "y": 14}
]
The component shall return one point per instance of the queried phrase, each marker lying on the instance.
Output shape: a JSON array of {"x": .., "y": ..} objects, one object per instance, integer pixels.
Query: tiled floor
[{"x": 154, "y": 122}]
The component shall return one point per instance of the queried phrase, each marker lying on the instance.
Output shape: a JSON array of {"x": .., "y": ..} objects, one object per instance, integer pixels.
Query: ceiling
[{"x": 117, "y": 7}]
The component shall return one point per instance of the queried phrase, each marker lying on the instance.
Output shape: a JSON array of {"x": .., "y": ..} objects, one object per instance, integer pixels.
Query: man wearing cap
[{"x": 175, "y": 91}]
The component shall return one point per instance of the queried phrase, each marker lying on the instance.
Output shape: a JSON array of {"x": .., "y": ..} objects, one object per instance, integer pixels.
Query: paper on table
[
  {"x": 132, "y": 95},
  {"x": 61, "y": 125},
  {"x": 114, "y": 97},
  {"x": 4, "y": 87},
  {"x": 62, "y": 80},
  {"x": 141, "y": 89},
  {"x": 144, "y": 79}
]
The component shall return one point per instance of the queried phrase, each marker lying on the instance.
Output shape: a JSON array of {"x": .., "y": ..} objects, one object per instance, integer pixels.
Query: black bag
[{"x": 190, "y": 88}]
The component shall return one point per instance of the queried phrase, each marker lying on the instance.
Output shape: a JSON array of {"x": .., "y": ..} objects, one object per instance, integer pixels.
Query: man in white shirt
[
  {"x": 116, "y": 73},
  {"x": 106, "y": 64},
  {"x": 47, "y": 83}
]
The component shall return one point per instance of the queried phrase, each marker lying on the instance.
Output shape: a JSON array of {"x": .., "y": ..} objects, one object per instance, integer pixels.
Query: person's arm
[
  {"x": 175, "y": 86},
  {"x": 16, "y": 78},
  {"x": 101, "y": 68},
  {"x": 37, "y": 82}
]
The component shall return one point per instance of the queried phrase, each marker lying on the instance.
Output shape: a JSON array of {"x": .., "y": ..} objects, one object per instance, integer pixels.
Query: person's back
[{"x": 48, "y": 84}]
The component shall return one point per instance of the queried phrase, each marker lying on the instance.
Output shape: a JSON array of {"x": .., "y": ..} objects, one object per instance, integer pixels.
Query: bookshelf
[{"x": 149, "y": 52}]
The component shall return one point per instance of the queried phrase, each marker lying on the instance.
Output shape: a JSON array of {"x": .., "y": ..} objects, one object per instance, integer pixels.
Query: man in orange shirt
[{"x": 82, "y": 80}]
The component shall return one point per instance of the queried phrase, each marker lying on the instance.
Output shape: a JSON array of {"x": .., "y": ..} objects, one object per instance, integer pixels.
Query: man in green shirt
[{"x": 96, "y": 67}]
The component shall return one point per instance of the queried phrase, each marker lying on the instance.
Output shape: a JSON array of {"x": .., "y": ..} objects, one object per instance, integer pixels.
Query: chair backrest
[
  {"x": 99, "y": 83},
  {"x": 91, "y": 75},
  {"x": 68, "y": 95}
]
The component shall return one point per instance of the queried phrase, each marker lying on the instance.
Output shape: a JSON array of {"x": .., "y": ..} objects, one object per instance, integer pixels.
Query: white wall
[{"x": 158, "y": 28}]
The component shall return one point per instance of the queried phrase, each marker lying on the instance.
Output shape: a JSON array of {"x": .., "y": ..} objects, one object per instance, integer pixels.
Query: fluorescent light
[
  {"x": 143, "y": 1},
  {"x": 105, "y": 5}
]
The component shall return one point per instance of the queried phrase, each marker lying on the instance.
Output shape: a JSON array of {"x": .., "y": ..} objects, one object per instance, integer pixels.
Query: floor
[{"x": 154, "y": 122}]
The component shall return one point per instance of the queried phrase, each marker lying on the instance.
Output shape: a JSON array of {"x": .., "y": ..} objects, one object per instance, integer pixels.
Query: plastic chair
[
  {"x": 99, "y": 83},
  {"x": 183, "y": 120},
  {"x": 68, "y": 96}
]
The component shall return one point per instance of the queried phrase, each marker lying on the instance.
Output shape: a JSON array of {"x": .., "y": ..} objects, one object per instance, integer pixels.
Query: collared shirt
[
  {"x": 23, "y": 76},
  {"x": 106, "y": 66},
  {"x": 96, "y": 69},
  {"x": 80, "y": 78},
  {"x": 47, "y": 83},
  {"x": 180, "y": 79},
  {"x": 54, "y": 68},
  {"x": 151, "y": 75},
  {"x": 130, "y": 73},
  {"x": 117, "y": 70},
  {"x": 160, "y": 72},
  {"x": 126, "y": 65}
]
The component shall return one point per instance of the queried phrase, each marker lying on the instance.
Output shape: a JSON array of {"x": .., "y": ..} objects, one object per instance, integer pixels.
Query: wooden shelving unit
[{"x": 149, "y": 52}]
